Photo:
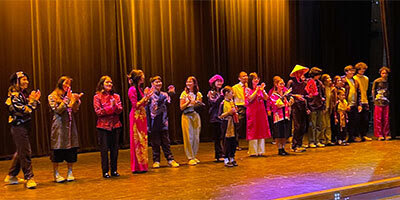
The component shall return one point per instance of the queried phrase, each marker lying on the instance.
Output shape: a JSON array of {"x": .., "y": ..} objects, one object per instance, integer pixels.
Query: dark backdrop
[
  {"x": 391, "y": 20},
  {"x": 171, "y": 38}
]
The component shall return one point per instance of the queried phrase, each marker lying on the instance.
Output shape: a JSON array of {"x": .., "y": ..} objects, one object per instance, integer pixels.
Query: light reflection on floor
[{"x": 267, "y": 177}]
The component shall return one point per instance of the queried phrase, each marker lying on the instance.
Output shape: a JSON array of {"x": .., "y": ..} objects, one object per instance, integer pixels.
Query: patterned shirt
[
  {"x": 380, "y": 92},
  {"x": 156, "y": 110},
  {"x": 64, "y": 134},
  {"x": 280, "y": 107},
  {"x": 19, "y": 108},
  {"x": 108, "y": 115}
]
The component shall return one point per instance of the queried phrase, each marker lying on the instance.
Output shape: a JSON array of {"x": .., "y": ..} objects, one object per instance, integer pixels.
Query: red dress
[
  {"x": 257, "y": 120},
  {"x": 138, "y": 133}
]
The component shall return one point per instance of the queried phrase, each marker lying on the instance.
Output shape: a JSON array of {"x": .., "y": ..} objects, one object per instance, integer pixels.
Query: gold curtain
[
  {"x": 75, "y": 38},
  {"x": 179, "y": 38},
  {"x": 255, "y": 37},
  {"x": 53, "y": 38},
  {"x": 167, "y": 38},
  {"x": 86, "y": 39}
]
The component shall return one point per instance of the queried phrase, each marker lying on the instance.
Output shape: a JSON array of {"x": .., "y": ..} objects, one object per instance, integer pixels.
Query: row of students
[
  {"x": 326, "y": 112},
  {"x": 234, "y": 111}
]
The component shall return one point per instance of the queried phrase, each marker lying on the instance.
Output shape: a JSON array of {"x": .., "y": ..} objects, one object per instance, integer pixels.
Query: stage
[{"x": 267, "y": 177}]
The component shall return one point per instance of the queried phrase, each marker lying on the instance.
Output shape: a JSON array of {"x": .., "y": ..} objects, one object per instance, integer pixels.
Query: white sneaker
[
  {"x": 313, "y": 145},
  {"x": 156, "y": 165},
  {"x": 320, "y": 145},
  {"x": 12, "y": 180},
  {"x": 367, "y": 138},
  {"x": 197, "y": 160},
  {"x": 172, "y": 163},
  {"x": 70, "y": 177},
  {"x": 31, "y": 184},
  {"x": 59, "y": 179},
  {"x": 192, "y": 162}
]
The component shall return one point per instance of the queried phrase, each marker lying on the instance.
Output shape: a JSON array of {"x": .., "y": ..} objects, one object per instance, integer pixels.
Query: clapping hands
[
  {"x": 262, "y": 86},
  {"x": 76, "y": 96},
  {"x": 171, "y": 89},
  {"x": 191, "y": 100},
  {"x": 148, "y": 93},
  {"x": 35, "y": 95}
]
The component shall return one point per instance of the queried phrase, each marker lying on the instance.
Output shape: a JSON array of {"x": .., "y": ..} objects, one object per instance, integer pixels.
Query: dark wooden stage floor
[{"x": 267, "y": 177}]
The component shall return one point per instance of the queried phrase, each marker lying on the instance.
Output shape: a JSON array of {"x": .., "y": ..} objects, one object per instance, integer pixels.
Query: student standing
[
  {"x": 214, "y": 100},
  {"x": 380, "y": 93},
  {"x": 107, "y": 106},
  {"x": 191, "y": 123},
  {"x": 64, "y": 134},
  {"x": 20, "y": 105},
  {"x": 257, "y": 120},
  {"x": 157, "y": 122}
]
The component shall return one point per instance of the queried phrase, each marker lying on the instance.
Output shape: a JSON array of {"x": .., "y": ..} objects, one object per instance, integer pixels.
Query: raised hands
[
  {"x": 191, "y": 100},
  {"x": 262, "y": 86},
  {"x": 34, "y": 96},
  {"x": 76, "y": 96},
  {"x": 171, "y": 89},
  {"x": 147, "y": 93}
]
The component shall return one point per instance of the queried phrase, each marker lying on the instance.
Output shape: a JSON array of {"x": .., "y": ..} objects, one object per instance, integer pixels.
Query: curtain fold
[
  {"x": 390, "y": 12},
  {"x": 171, "y": 38}
]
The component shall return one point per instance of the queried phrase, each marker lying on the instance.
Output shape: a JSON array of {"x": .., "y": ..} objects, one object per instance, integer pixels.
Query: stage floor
[{"x": 267, "y": 177}]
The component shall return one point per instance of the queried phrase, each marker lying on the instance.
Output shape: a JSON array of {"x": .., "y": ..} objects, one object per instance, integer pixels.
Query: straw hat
[{"x": 298, "y": 68}]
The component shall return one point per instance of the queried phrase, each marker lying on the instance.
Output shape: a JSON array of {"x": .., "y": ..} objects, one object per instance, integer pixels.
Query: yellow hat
[{"x": 298, "y": 68}]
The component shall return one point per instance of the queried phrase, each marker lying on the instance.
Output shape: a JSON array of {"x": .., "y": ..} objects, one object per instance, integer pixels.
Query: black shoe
[
  {"x": 280, "y": 152},
  {"x": 234, "y": 163},
  {"x": 115, "y": 174},
  {"x": 106, "y": 175},
  {"x": 286, "y": 153}
]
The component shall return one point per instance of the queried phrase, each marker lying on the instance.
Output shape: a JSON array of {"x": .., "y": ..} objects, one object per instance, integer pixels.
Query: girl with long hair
[
  {"x": 138, "y": 122},
  {"x": 257, "y": 120},
  {"x": 191, "y": 123}
]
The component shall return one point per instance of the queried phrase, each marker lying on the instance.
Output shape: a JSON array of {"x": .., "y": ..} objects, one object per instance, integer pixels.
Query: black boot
[
  {"x": 284, "y": 152},
  {"x": 280, "y": 152}
]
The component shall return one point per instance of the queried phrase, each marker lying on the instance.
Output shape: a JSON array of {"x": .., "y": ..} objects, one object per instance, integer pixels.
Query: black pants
[
  {"x": 300, "y": 123},
  {"x": 271, "y": 124},
  {"x": 160, "y": 138},
  {"x": 109, "y": 140},
  {"x": 342, "y": 134},
  {"x": 335, "y": 129},
  {"x": 218, "y": 139},
  {"x": 353, "y": 124},
  {"x": 22, "y": 157},
  {"x": 241, "y": 127},
  {"x": 363, "y": 118},
  {"x": 230, "y": 147}
]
